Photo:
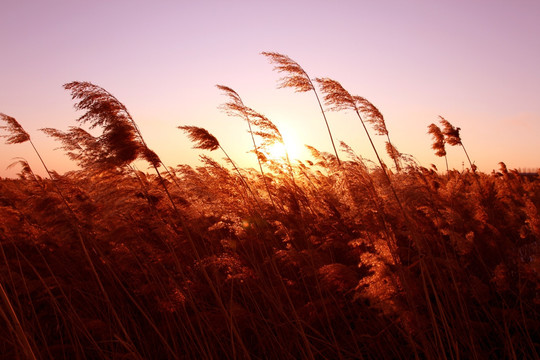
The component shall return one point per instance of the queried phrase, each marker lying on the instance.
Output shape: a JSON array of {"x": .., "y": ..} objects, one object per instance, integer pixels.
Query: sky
[{"x": 474, "y": 62}]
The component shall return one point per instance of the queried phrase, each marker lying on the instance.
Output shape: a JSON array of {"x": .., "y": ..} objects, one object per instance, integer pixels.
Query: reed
[
  {"x": 235, "y": 107},
  {"x": 452, "y": 138},
  {"x": 353, "y": 262},
  {"x": 297, "y": 78},
  {"x": 438, "y": 142}
]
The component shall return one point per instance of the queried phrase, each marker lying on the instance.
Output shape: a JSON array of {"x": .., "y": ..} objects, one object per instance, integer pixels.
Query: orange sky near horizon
[{"x": 473, "y": 62}]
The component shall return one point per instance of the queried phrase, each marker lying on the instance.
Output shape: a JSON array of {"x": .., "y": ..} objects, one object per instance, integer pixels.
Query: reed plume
[
  {"x": 453, "y": 138},
  {"x": 438, "y": 142},
  {"x": 17, "y": 134},
  {"x": 336, "y": 97},
  {"x": 376, "y": 119},
  {"x": 82, "y": 147},
  {"x": 372, "y": 115},
  {"x": 120, "y": 138},
  {"x": 451, "y": 133},
  {"x": 267, "y": 130},
  {"x": 453, "y": 277},
  {"x": 394, "y": 154},
  {"x": 297, "y": 78},
  {"x": 201, "y": 137},
  {"x": 25, "y": 167}
]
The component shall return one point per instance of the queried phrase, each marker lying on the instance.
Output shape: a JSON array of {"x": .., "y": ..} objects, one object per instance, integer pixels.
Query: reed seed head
[
  {"x": 438, "y": 140},
  {"x": 201, "y": 137},
  {"x": 450, "y": 132},
  {"x": 392, "y": 151},
  {"x": 372, "y": 115},
  {"x": 295, "y": 77},
  {"x": 16, "y": 132},
  {"x": 335, "y": 96},
  {"x": 120, "y": 137}
]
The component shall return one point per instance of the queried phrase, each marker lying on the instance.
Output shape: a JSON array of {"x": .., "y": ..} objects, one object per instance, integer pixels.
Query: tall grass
[{"x": 317, "y": 259}]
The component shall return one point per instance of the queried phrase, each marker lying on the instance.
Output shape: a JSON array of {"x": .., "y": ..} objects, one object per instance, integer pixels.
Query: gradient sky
[{"x": 474, "y": 62}]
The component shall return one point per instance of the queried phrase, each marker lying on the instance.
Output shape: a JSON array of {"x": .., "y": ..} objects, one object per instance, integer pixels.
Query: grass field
[{"x": 328, "y": 258}]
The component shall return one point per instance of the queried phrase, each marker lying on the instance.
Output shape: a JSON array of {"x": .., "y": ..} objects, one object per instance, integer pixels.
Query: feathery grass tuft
[
  {"x": 295, "y": 77},
  {"x": 120, "y": 137},
  {"x": 452, "y": 137},
  {"x": 438, "y": 140},
  {"x": 201, "y": 137},
  {"x": 335, "y": 95},
  {"x": 451, "y": 133},
  {"x": 17, "y": 134}
]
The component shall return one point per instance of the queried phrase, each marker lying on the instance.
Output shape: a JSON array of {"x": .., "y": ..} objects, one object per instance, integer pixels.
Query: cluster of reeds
[{"x": 327, "y": 258}]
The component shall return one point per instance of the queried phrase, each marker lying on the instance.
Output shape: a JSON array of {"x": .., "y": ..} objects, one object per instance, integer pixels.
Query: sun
[
  {"x": 277, "y": 151},
  {"x": 290, "y": 146}
]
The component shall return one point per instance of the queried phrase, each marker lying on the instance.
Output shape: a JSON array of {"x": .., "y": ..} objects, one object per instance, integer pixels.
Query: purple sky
[{"x": 474, "y": 62}]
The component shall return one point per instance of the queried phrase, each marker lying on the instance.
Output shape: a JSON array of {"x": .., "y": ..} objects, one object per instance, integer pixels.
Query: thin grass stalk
[
  {"x": 473, "y": 167},
  {"x": 60, "y": 309},
  {"x": 183, "y": 223},
  {"x": 297, "y": 321},
  {"x": 141, "y": 310},
  {"x": 16, "y": 301},
  {"x": 89, "y": 259},
  {"x": 326, "y": 122},
  {"x": 260, "y": 164},
  {"x": 529, "y": 337},
  {"x": 237, "y": 106},
  {"x": 242, "y": 178},
  {"x": 13, "y": 322},
  {"x": 198, "y": 340},
  {"x": 29, "y": 296}
]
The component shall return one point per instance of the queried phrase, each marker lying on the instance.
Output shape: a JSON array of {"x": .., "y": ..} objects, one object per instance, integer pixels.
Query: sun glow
[
  {"x": 277, "y": 151},
  {"x": 290, "y": 146}
]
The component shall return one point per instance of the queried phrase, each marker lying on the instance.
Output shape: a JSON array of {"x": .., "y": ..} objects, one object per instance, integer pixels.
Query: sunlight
[
  {"x": 278, "y": 151},
  {"x": 292, "y": 144}
]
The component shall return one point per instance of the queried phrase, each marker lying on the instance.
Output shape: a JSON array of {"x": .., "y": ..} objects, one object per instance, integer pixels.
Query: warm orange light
[
  {"x": 291, "y": 146},
  {"x": 277, "y": 151}
]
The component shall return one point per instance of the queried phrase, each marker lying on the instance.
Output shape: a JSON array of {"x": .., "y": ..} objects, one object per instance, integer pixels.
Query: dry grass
[{"x": 322, "y": 259}]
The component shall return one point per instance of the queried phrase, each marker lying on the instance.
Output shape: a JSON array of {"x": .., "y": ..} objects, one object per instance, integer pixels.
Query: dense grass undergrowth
[{"x": 323, "y": 259}]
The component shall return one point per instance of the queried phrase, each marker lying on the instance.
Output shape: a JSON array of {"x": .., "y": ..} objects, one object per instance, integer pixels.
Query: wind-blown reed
[{"x": 109, "y": 262}]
